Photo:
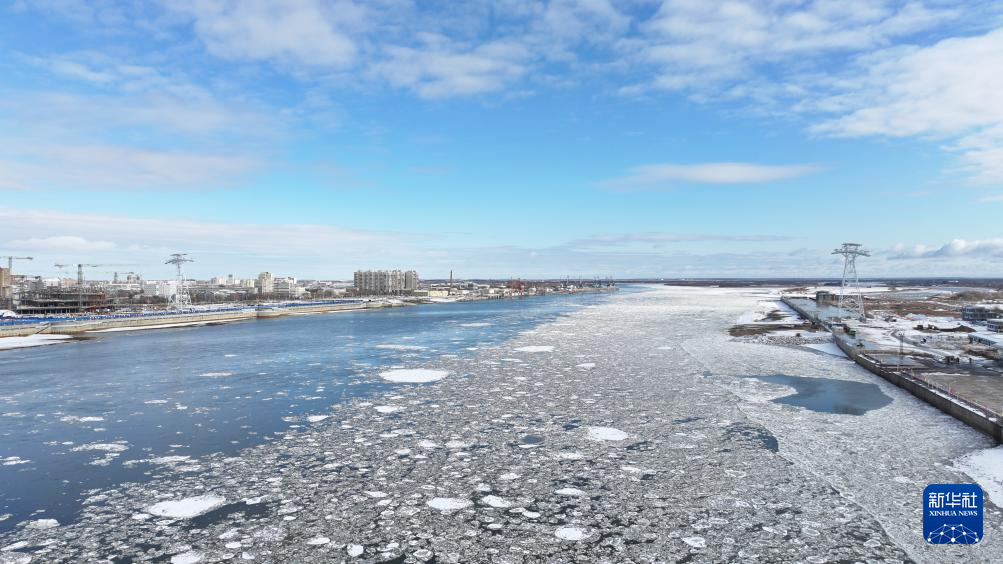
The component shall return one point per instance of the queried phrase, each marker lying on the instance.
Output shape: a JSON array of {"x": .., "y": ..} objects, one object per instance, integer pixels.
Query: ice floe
[
  {"x": 190, "y": 557},
  {"x": 188, "y": 507},
  {"x": 605, "y": 434},
  {"x": 695, "y": 542},
  {"x": 449, "y": 503},
  {"x": 42, "y": 524},
  {"x": 495, "y": 501},
  {"x": 413, "y": 375},
  {"x": 386, "y": 409},
  {"x": 536, "y": 349},
  {"x": 571, "y": 533}
]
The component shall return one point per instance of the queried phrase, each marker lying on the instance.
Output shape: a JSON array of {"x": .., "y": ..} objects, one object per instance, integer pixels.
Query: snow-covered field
[{"x": 666, "y": 448}]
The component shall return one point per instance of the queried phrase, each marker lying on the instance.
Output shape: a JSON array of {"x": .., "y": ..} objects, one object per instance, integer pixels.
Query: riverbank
[
  {"x": 630, "y": 430},
  {"x": 906, "y": 377},
  {"x": 74, "y": 326}
]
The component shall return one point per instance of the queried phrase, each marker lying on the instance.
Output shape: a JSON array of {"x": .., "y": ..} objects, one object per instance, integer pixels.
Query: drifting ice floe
[
  {"x": 605, "y": 434},
  {"x": 42, "y": 524},
  {"x": 571, "y": 533},
  {"x": 189, "y": 557},
  {"x": 449, "y": 503},
  {"x": 105, "y": 447},
  {"x": 495, "y": 501},
  {"x": 188, "y": 507},
  {"x": 695, "y": 542},
  {"x": 388, "y": 408},
  {"x": 413, "y": 375},
  {"x": 536, "y": 348}
]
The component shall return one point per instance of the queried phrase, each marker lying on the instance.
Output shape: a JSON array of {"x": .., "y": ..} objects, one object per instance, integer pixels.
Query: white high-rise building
[
  {"x": 266, "y": 283},
  {"x": 385, "y": 282}
]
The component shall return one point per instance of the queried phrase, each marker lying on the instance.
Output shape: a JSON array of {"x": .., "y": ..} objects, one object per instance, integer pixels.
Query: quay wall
[
  {"x": 76, "y": 328},
  {"x": 988, "y": 424},
  {"x": 72, "y": 327}
]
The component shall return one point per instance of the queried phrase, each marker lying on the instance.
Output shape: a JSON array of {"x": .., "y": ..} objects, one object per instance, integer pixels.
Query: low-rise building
[
  {"x": 982, "y": 312},
  {"x": 995, "y": 325}
]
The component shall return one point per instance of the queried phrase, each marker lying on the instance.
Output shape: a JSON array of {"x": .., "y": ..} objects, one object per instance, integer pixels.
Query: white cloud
[
  {"x": 298, "y": 32},
  {"x": 61, "y": 243},
  {"x": 958, "y": 248},
  {"x": 441, "y": 69},
  {"x": 948, "y": 91},
  {"x": 661, "y": 176},
  {"x": 697, "y": 44},
  {"x": 152, "y": 234},
  {"x": 659, "y": 239},
  {"x": 116, "y": 167}
]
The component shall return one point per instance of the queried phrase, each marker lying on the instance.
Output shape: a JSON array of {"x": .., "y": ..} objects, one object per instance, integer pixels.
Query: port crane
[{"x": 10, "y": 276}]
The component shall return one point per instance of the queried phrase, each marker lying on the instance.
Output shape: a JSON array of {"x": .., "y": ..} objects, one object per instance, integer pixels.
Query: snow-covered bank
[
  {"x": 159, "y": 326},
  {"x": 7, "y": 343}
]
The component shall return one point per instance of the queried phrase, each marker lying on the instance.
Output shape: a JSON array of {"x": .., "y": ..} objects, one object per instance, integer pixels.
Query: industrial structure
[
  {"x": 851, "y": 299},
  {"x": 181, "y": 299}
]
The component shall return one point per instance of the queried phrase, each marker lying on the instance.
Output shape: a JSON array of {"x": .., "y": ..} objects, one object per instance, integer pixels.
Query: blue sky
[{"x": 525, "y": 138}]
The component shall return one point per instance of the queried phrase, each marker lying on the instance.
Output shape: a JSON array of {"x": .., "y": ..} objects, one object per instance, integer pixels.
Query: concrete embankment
[
  {"x": 77, "y": 327},
  {"x": 957, "y": 408}
]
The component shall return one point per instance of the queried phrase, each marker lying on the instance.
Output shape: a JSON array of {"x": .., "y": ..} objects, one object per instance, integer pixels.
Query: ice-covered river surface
[
  {"x": 124, "y": 406},
  {"x": 633, "y": 429}
]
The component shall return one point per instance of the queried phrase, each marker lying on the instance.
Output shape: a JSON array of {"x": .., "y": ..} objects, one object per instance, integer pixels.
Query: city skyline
[{"x": 504, "y": 139}]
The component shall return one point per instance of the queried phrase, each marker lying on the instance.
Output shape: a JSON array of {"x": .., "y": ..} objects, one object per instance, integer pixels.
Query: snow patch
[{"x": 7, "y": 343}]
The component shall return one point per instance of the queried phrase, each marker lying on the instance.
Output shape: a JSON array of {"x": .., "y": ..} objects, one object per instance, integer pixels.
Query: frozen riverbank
[{"x": 628, "y": 431}]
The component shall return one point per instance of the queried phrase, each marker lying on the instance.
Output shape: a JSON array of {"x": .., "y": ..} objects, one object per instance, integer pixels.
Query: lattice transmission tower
[
  {"x": 851, "y": 299},
  {"x": 181, "y": 299}
]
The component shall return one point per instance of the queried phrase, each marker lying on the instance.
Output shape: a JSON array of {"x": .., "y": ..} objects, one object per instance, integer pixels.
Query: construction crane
[
  {"x": 10, "y": 277},
  {"x": 80, "y": 279}
]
